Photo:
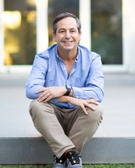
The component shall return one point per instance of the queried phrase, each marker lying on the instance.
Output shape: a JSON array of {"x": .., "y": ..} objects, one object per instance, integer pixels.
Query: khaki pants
[{"x": 64, "y": 129}]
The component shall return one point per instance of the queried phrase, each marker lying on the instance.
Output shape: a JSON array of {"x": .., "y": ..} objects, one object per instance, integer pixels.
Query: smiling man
[{"x": 66, "y": 84}]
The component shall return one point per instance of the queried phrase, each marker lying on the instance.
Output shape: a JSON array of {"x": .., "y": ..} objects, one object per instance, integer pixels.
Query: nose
[{"x": 67, "y": 34}]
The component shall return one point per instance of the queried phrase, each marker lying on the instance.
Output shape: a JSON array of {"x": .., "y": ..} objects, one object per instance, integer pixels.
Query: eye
[
  {"x": 61, "y": 31},
  {"x": 73, "y": 31}
]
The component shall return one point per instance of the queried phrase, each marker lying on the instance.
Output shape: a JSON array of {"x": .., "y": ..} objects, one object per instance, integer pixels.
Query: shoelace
[
  {"x": 60, "y": 160},
  {"x": 73, "y": 157}
]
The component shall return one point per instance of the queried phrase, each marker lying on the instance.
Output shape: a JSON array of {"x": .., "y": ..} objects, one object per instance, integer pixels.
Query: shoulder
[
  {"x": 46, "y": 54},
  {"x": 85, "y": 52}
]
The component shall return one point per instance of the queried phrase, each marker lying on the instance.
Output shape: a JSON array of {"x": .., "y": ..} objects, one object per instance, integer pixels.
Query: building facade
[{"x": 108, "y": 28}]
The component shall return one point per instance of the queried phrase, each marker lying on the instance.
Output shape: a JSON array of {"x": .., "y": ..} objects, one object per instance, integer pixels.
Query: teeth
[{"x": 68, "y": 41}]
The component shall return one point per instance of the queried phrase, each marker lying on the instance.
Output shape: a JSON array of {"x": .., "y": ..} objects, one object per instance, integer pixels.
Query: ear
[
  {"x": 54, "y": 36},
  {"x": 80, "y": 34}
]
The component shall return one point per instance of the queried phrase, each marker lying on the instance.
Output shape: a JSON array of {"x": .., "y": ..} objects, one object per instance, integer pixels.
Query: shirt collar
[
  {"x": 58, "y": 57},
  {"x": 78, "y": 54}
]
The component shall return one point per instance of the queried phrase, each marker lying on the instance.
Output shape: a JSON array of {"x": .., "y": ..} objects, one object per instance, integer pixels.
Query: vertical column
[
  {"x": 1, "y": 35},
  {"x": 42, "y": 24},
  {"x": 85, "y": 18},
  {"x": 129, "y": 34}
]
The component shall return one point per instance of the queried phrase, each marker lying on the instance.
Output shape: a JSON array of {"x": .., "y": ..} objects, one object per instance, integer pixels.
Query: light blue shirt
[{"x": 86, "y": 77}]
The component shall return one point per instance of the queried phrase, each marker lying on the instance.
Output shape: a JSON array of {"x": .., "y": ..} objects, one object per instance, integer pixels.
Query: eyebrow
[{"x": 65, "y": 29}]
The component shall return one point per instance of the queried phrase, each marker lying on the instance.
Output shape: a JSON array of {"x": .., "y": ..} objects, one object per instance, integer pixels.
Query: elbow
[
  {"x": 28, "y": 95},
  {"x": 101, "y": 96},
  {"x": 98, "y": 95}
]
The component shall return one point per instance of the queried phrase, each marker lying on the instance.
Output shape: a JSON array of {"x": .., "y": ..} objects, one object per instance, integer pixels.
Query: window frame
[{"x": 84, "y": 10}]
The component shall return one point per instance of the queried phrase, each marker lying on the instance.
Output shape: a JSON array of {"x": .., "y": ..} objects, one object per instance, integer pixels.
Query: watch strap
[{"x": 68, "y": 91}]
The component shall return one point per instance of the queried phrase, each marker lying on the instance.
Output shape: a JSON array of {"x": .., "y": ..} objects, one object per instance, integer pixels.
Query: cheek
[
  {"x": 57, "y": 39},
  {"x": 78, "y": 39}
]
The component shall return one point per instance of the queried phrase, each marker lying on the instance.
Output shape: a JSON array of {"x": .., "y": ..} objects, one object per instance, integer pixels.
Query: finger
[
  {"x": 48, "y": 98},
  {"x": 41, "y": 90},
  {"x": 42, "y": 97},
  {"x": 94, "y": 101},
  {"x": 84, "y": 110},
  {"x": 45, "y": 97},
  {"x": 91, "y": 107}
]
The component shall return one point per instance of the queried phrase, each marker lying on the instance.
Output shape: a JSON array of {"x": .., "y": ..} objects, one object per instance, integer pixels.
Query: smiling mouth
[{"x": 67, "y": 42}]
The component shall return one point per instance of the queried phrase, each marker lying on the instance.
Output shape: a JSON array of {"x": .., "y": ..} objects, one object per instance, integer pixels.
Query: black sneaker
[
  {"x": 59, "y": 163},
  {"x": 75, "y": 161}
]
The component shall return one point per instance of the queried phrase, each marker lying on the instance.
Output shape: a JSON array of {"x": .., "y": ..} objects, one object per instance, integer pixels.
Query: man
[{"x": 66, "y": 85}]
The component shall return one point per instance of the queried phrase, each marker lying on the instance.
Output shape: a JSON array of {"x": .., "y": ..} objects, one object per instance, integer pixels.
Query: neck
[{"x": 67, "y": 55}]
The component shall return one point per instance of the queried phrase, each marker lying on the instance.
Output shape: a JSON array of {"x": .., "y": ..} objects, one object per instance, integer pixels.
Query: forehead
[{"x": 67, "y": 22}]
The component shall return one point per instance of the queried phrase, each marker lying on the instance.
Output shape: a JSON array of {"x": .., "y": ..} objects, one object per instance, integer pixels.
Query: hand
[
  {"x": 83, "y": 103},
  {"x": 47, "y": 93}
]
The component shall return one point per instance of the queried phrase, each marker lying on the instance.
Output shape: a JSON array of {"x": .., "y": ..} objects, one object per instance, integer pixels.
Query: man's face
[{"x": 67, "y": 35}]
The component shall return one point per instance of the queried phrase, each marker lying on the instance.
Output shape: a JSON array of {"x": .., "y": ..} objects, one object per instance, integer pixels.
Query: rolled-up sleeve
[
  {"x": 94, "y": 87},
  {"x": 36, "y": 78}
]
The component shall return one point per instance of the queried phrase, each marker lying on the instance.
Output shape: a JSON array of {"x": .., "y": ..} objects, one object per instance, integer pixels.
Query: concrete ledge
[{"x": 36, "y": 151}]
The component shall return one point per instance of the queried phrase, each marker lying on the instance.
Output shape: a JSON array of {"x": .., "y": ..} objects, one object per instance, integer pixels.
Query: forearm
[
  {"x": 79, "y": 102},
  {"x": 88, "y": 93},
  {"x": 63, "y": 99},
  {"x": 37, "y": 91},
  {"x": 83, "y": 93}
]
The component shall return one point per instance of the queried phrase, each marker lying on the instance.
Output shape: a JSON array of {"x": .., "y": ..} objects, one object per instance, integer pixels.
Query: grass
[{"x": 84, "y": 166}]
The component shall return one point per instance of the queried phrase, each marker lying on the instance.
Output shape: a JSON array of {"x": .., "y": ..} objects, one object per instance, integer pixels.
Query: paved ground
[{"x": 118, "y": 104}]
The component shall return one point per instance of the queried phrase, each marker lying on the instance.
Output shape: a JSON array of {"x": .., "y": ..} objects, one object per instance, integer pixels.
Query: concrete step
[
  {"x": 35, "y": 150},
  {"x": 114, "y": 141}
]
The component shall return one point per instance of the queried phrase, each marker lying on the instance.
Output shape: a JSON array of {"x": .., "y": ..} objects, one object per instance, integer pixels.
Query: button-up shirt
[{"x": 86, "y": 76}]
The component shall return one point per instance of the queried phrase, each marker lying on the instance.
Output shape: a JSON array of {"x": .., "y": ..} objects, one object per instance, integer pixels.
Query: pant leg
[
  {"x": 66, "y": 117},
  {"x": 85, "y": 127},
  {"x": 47, "y": 124}
]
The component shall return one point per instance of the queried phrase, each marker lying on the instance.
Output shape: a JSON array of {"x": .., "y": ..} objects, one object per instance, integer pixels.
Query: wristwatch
[{"x": 68, "y": 91}]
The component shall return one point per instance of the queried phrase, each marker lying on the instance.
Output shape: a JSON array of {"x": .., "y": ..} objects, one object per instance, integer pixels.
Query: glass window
[
  {"x": 56, "y": 7},
  {"x": 19, "y": 19},
  {"x": 107, "y": 30}
]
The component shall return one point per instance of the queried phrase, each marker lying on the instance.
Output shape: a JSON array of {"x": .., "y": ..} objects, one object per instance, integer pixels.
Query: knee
[
  {"x": 96, "y": 115},
  {"x": 34, "y": 107},
  {"x": 38, "y": 108}
]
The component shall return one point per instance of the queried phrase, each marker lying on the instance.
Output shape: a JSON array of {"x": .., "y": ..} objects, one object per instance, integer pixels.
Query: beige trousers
[{"x": 64, "y": 129}]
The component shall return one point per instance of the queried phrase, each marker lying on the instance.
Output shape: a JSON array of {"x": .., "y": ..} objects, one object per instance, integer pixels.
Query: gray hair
[{"x": 62, "y": 16}]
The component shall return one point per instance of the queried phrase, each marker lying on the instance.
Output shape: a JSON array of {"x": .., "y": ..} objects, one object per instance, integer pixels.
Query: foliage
[{"x": 84, "y": 166}]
